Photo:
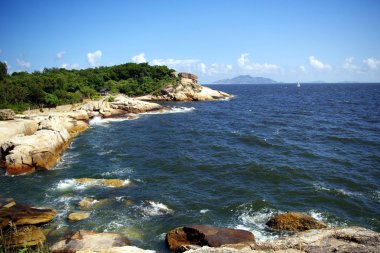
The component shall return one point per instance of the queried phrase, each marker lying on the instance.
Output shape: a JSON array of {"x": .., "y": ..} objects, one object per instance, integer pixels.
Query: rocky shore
[
  {"x": 36, "y": 140},
  {"x": 20, "y": 226}
]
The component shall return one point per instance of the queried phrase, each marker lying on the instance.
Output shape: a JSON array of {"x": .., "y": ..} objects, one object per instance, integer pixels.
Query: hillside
[{"x": 246, "y": 79}]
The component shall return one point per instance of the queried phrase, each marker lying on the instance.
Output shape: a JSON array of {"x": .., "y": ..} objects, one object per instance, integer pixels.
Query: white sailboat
[{"x": 298, "y": 85}]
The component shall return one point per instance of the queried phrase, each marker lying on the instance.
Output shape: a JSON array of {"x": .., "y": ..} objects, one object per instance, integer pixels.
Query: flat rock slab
[
  {"x": 84, "y": 240},
  {"x": 203, "y": 235},
  {"x": 25, "y": 215}
]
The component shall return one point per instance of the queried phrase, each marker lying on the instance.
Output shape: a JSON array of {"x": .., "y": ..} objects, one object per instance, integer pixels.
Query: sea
[{"x": 232, "y": 163}]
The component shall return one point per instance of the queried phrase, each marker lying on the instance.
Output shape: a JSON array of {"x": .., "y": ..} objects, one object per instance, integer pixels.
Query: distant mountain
[{"x": 245, "y": 79}]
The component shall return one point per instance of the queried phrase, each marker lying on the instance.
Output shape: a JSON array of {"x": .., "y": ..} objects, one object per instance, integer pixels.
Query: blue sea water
[{"x": 232, "y": 163}]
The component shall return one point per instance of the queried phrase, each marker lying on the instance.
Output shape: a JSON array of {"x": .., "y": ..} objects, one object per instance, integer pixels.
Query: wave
[
  {"x": 337, "y": 191},
  {"x": 82, "y": 184},
  {"x": 175, "y": 109},
  {"x": 346, "y": 140},
  {"x": 152, "y": 208},
  {"x": 104, "y": 121}
]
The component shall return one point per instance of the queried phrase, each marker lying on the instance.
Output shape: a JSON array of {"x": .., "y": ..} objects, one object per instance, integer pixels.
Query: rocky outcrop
[
  {"x": 36, "y": 141},
  {"x": 25, "y": 215},
  {"x": 84, "y": 240},
  {"x": 294, "y": 221},
  {"x": 186, "y": 89},
  {"x": 179, "y": 239},
  {"x": 7, "y": 114},
  {"x": 341, "y": 240},
  {"x": 87, "y": 203},
  {"x": 23, "y": 237}
]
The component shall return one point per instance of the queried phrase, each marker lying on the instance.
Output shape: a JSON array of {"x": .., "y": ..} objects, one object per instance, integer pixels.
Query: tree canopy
[{"x": 57, "y": 86}]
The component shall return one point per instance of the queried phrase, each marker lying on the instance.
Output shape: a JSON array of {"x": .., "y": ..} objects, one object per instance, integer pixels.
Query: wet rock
[
  {"x": 7, "y": 114},
  {"x": 203, "y": 235},
  {"x": 103, "y": 182},
  {"x": 132, "y": 105},
  {"x": 294, "y": 221},
  {"x": 25, "y": 215},
  {"x": 6, "y": 202},
  {"x": 87, "y": 202},
  {"x": 89, "y": 241},
  {"x": 23, "y": 236},
  {"x": 78, "y": 216}
]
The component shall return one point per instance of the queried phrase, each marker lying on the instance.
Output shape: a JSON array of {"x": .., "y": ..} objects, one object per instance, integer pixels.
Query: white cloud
[
  {"x": 23, "y": 64},
  {"x": 70, "y": 66},
  {"x": 317, "y": 64},
  {"x": 349, "y": 64},
  {"x": 93, "y": 58},
  {"x": 257, "y": 68},
  {"x": 175, "y": 63},
  {"x": 302, "y": 68},
  {"x": 214, "y": 69},
  {"x": 60, "y": 54},
  {"x": 140, "y": 58},
  {"x": 372, "y": 63}
]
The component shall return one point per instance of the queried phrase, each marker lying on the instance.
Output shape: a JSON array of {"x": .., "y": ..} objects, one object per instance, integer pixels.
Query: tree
[{"x": 3, "y": 71}]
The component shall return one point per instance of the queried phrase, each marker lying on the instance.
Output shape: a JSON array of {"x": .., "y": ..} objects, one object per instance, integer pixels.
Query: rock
[
  {"x": 348, "y": 240},
  {"x": 24, "y": 154},
  {"x": 7, "y": 114},
  {"x": 132, "y": 105},
  {"x": 23, "y": 236},
  {"x": 6, "y": 202},
  {"x": 103, "y": 182},
  {"x": 78, "y": 216},
  {"x": 25, "y": 215},
  {"x": 294, "y": 221},
  {"x": 125, "y": 249},
  {"x": 203, "y": 235},
  {"x": 89, "y": 241},
  {"x": 87, "y": 202},
  {"x": 186, "y": 89}
]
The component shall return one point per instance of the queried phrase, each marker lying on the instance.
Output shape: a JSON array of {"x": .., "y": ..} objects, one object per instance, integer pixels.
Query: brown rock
[
  {"x": 102, "y": 182},
  {"x": 91, "y": 241},
  {"x": 87, "y": 202},
  {"x": 24, "y": 236},
  {"x": 6, "y": 202},
  {"x": 294, "y": 221},
  {"x": 203, "y": 235},
  {"x": 25, "y": 215},
  {"x": 7, "y": 114},
  {"x": 78, "y": 216}
]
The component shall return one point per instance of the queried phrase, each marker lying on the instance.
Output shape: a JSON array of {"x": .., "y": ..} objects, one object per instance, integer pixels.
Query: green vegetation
[{"x": 57, "y": 86}]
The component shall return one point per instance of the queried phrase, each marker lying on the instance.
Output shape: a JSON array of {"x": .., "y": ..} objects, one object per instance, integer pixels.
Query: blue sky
[{"x": 286, "y": 40}]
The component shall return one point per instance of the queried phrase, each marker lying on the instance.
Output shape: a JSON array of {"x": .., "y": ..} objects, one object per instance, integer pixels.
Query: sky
[{"x": 286, "y": 40}]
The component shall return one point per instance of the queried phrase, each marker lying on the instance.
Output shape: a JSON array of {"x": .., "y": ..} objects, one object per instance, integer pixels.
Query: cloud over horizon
[
  {"x": 23, "y": 64},
  {"x": 93, "y": 58},
  {"x": 317, "y": 64},
  {"x": 140, "y": 58},
  {"x": 372, "y": 63},
  {"x": 256, "y": 68}
]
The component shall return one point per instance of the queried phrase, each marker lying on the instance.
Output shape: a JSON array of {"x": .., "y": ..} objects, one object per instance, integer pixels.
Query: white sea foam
[
  {"x": 203, "y": 211},
  {"x": 174, "y": 109},
  {"x": 323, "y": 187},
  {"x": 117, "y": 172},
  {"x": 96, "y": 121},
  {"x": 72, "y": 184},
  {"x": 255, "y": 222},
  {"x": 152, "y": 208}
]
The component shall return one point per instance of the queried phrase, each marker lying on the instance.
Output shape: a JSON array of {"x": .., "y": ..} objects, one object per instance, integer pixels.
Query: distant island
[{"x": 246, "y": 79}]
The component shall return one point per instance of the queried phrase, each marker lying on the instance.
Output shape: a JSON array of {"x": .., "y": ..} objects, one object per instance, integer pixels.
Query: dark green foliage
[{"x": 57, "y": 86}]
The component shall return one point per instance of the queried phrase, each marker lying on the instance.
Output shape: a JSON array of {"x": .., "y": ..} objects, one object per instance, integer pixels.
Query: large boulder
[
  {"x": 124, "y": 249},
  {"x": 25, "y": 215},
  {"x": 294, "y": 221},
  {"x": 23, "y": 237},
  {"x": 132, "y": 105},
  {"x": 7, "y": 114},
  {"x": 77, "y": 216},
  {"x": 84, "y": 240},
  {"x": 203, "y": 235}
]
